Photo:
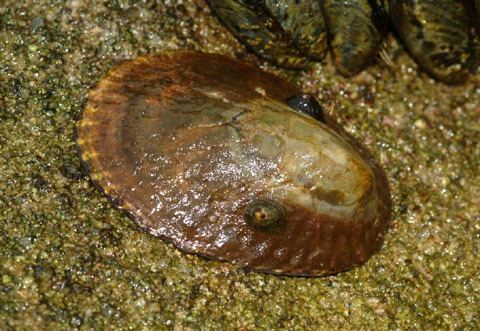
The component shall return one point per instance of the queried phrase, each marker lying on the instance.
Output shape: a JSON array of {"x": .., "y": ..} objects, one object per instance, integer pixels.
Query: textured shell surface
[
  {"x": 441, "y": 36},
  {"x": 356, "y": 30},
  {"x": 188, "y": 142},
  {"x": 277, "y": 30}
]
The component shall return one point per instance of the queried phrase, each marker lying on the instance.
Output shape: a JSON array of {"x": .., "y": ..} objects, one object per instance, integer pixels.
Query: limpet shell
[{"x": 205, "y": 152}]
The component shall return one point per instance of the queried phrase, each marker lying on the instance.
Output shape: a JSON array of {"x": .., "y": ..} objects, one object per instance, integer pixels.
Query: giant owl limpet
[{"x": 208, "y": 153}]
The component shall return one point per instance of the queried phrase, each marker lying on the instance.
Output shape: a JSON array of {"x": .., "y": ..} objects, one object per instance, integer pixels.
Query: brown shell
[{"x": 185, "y": 141}]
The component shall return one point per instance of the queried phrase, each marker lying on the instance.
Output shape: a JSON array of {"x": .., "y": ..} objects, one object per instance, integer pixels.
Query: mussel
[{"x": 439, "y": 35}]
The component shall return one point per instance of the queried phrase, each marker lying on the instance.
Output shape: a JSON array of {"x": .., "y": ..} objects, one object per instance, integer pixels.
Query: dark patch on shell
[{"x": 307, "y": 104}]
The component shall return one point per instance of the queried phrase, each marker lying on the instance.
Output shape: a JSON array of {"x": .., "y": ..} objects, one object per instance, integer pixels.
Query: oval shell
[
  {"x": 356, "y": 30},
  {"x": 185, "y": 142}
]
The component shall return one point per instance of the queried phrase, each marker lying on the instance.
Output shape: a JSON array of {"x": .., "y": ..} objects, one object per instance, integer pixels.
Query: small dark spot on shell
[
  {"x": 307, "y": 104},
  {"x": 265, "y": 214}
]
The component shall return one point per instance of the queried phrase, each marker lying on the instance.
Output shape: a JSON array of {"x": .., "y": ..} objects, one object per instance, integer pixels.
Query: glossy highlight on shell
[{"x": 214, "y": 156}]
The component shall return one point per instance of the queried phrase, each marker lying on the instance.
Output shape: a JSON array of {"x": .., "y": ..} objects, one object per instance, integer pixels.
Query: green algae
[{"x": 69, "y": 260}]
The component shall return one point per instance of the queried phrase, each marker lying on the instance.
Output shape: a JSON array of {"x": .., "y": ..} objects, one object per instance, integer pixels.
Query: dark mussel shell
[
  {"x": 440, "y": 36},
  {"x": 210, "y": 154},
  {"x": 281, "y": 31},
  {"x": 293, "y": 32},
  {"x": 356, "y": 30}
]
